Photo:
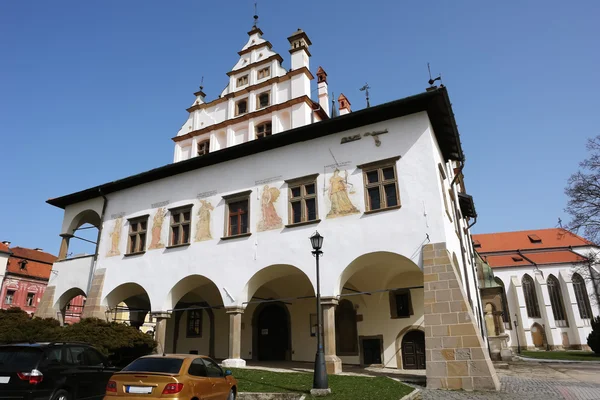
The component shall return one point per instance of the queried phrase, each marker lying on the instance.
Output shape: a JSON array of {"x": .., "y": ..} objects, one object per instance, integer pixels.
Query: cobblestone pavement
[{"x": 536, "y": 382}]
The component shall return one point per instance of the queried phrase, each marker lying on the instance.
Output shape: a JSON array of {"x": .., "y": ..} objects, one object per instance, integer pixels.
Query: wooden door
[{"x": 413, "y": 350}]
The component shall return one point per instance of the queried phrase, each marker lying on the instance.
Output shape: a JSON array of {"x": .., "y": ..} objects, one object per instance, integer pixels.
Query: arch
[
  {"x": 84, "y": 217},
  {"x": 383, "y": 264},
  {"x": 346, "y": 329},
  {"x": 71, "y": 313},
  {"x": 210, "y": 291},
  {"x": 275, "y": 272},
  {"x": 582, "y": 297},
  {"x": 398, "y": 341},
  {"x": 136, "y": 299},
  {"x": 556, "y": 301},
  {"x": 531, "y": 301},
  {"x": 271, "y": 332},
  {"x": 413, "y": 349},
  {"x": 538, "y": 335}
]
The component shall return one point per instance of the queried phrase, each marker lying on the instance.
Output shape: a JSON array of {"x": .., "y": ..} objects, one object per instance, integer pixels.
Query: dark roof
[{"x": 435, "y": 102}]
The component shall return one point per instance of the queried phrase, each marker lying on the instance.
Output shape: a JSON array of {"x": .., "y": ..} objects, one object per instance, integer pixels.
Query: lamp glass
[{"x": 317, "y": 241}]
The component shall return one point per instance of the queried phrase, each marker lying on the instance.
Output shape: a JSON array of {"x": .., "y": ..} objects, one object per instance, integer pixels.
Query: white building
[
  {"x": 542, "y": 280},
  {"x": 216, "y": 245}
]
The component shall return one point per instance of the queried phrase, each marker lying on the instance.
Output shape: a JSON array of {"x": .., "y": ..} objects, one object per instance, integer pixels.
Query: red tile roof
[
  {"x": 516, "y": 260},
  {"x": 503, "y": 241},
  {"x": 4, "y": 248},
  {"x": 39, "y": 263},
  {"x": 31, "y": 254}
]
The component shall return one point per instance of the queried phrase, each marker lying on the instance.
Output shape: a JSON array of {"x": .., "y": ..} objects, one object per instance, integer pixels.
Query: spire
[{"x": 255, "y": 16}]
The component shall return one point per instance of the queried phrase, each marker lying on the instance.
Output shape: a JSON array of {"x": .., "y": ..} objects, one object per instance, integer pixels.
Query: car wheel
[
  {"x": 61, "y": 395},
  {"x": 231, "y": 395}
]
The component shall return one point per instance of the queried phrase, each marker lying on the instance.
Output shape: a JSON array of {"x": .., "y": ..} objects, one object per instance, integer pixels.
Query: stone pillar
[
  {"x": 456, "y": 356},
  {"x": 45, "y": 308},
  {"x": 93, "y": 303},
  {"x": 160, "y": 331},
  {"x": 235, "y": 339},
  {"x": 332, "y": 361},
  {"x": 64, "y": 245}
]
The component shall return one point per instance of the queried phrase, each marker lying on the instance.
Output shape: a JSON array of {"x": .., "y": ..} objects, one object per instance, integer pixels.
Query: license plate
[
  {"x": 4, "y": 379},
  {"x": 139, "y": 389}
]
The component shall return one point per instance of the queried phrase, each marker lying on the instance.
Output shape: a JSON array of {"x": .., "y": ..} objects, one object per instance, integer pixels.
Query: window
[
  {"x": 163, "y": 364},
  {"x": 241, "y": 107},
  {"x": 556, "y": 301},
  {"x": 23, "y": 264},
  {"x": 346, "y": 331},
  {"x": 137, "y": 235},
  {"x": 263, "y": 130},
  {"x": 10, "y": 296},
  {"x": 194, "y": 323},
  {"x": 242, "y": 80},
  {"x": 197, "y": 368},
  {"x": 303, "y": 200},
  {"x": 581, "y": 294},
  {"x": 212, "y": 369},
  {"x": 381, "y": 184},
  {"x": 531, "y": 301},
  {"x": 476, "y": 244},
  {"x": 203, "y": 147},
  {"x": 30, "y": 299},
  {"x": 400, "y": 304},
  {"x": 237, "y": 215},
  {"x": 517, "y": 258},
  {"x": 534, "y": 238},
  {"x": 263, "y": 73},
  {"x": 180, "y": 225},
  {"x": 263, "y": 100}
]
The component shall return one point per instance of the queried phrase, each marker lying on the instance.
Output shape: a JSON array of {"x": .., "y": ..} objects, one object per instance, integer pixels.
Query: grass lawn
[
  {"x": 562, "y": 355},
  {"x": 342, "y": 387}
]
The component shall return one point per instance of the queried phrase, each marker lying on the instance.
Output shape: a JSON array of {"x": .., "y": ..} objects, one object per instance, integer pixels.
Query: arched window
[
  {"x": 505, "y": 310},
  {"x": 531, "y": 302},
  {"x": 558, "y": 309},
  {"x": 345, "y": 329},
  {"x": 581, "y": 294}
]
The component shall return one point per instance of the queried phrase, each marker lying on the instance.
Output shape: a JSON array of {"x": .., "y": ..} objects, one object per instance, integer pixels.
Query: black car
[{"x": 55, "y": 371}]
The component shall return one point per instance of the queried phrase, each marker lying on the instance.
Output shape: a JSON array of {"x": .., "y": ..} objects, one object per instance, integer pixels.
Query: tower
[
  {"x": 299, "y": 43},
  {"x": 323, "y": 90}
]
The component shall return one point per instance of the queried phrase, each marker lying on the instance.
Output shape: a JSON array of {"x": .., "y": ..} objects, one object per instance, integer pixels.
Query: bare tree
[
  {"x": 583, "y": 189},
  {"x": 589, "y": 272}
]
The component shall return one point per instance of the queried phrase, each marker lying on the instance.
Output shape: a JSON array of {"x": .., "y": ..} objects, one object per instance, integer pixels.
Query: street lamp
[
  {"x": 320, "y": 373},
  {"x": 517, "y": 333}
]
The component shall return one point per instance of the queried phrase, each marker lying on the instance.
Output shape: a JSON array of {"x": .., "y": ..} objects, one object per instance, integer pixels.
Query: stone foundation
[
  {"x": 93, "y": 304},
  {"x": 455, "y": 352}
]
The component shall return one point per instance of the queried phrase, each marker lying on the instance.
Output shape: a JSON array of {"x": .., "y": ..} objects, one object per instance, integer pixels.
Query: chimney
[
  {"x": 344, "y": 105},
  {"x": 299, "y": 43},
  {"x": 6, "y": 242},
  {"x": 323, "y": 92},
  {"x": 38, "y": 249}
]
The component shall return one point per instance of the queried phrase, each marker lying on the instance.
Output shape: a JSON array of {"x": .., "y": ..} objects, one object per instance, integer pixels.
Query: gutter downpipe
[
  {"x": 93, "y": 269},
  {"x": 481, "y": 316}
]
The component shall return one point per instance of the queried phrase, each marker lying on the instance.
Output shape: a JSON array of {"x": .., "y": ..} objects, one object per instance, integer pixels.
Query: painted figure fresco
[
  {"x": 115, "y": 237},
  {"x": 203, "y": 224},
  {"x": 269, "y": 217},
  {"x": 338, "y": 196},
  {"x": 157, "y": 224}
]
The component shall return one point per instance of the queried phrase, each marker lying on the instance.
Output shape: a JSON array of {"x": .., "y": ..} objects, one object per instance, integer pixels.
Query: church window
[
  {"x": 263, "y": 100},
  {"x": 242, "y": 81},
  {"x": 137, "y": 235},
  {"x": 263, "y": 73},
  {"x": 263, "y": 130},
  {"x": 203, "y": 147},
  {"x": 581, "y": 295},
  {"x": 180, "y": 226},
  {"x": 194, "y": 323},
  {"x": 303, "y": 200},
  {"x": 556, "y": 301},
  {"x": 381, "y": 185},
  {"x": 10, "y": 296},
  {"x": 400, "y": 304},
  {"x": 237, "y": 214},
  {"x": 531, "y": 301},
  {"x": 241, "y": 107}
]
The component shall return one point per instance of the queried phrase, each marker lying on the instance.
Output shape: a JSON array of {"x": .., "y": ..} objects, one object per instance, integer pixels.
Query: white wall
[{"x": 69, "y": 274}]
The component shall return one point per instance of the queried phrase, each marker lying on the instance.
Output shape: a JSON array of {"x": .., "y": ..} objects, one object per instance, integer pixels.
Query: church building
[{"x": 214, "y": 250}]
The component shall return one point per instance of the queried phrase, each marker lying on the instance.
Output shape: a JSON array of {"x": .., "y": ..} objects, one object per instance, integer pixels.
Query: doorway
[
  {"x": 272, "y": 340},
  {"x": 537, "y": 335},
  {"x": 413, "y": 350},
  {"x": 371, "y": 348}
]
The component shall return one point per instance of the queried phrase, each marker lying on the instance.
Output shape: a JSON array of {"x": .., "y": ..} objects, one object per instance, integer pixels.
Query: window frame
[
  {"x": 267, "y": 75},
  {"x": 206, "y": 147},
  {"x": 582, "y": 297},
  {"x": 264, "y": 134},
  {"x": 12, "y": 296},
  {"x": 180, "y": 210},
  {"x": 237, "y": 107},
  {"x": 381, "y": 183},
  {"x": 556, "y": 302},
  {"x": 244, "y": 79},
  {"x": 531, "y": 301},
  {"x": 235, "y": 198},
  {"x": 302, "y": 182},
  {"x": 30, "y": 295},
  {"x": 194, "y": 316},
  {"x": 258, "y": 105},
  {"x": 136, "y": 235},
  {"x": 394, "y": 304}
]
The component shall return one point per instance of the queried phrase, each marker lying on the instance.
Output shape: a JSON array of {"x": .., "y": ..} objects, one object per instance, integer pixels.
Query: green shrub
[
  {"x": 593, "y": 339},
  {"x": 120, "y": 343}
]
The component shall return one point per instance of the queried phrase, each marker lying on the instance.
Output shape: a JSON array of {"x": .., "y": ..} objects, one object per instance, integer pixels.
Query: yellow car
[{"x": 172, "y": 376}]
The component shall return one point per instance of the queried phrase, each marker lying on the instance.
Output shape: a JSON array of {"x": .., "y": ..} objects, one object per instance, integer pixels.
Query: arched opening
[
  {"x": 279, "y": 305},
  {"x": 129, "y": 304},
  {"x": 81, "y": 237},
  {"x": 382, "y": 292},
  {"x": 582, "y": 297},
  {"x": 538, "y": 335},
  {"x": 272, "y": 330},
  {"x": 70, "y": 305},
  {"x": 556, "y": 301},
  {"x": 197, "y": 308},
  {"x": 531, "y": 301},
  {"x": 413, "y": 350}
]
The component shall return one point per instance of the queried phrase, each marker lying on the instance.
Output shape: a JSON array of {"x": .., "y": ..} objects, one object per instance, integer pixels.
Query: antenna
[
  {"x": 255, "y": 14},
  {"x": 202, "y": 83},
  {"x": 366, "y": 90},
  {"x": 431, "y": 81}
]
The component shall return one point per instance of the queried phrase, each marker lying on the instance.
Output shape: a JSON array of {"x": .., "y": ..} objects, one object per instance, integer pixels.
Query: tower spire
[{"x": 255, "y": 15}]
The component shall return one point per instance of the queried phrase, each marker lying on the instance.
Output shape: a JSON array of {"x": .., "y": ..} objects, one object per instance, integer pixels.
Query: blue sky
[{"x": 93, "y": 91}]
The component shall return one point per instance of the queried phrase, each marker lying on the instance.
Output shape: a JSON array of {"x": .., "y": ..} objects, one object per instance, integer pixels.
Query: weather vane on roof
[
  {"x": 202, "y": 83},
  {"x": 255, "y": 15},
  {"x": 366, "y": 90}
]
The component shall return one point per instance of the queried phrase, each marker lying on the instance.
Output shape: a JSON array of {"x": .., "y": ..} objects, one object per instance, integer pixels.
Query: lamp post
[
  {"x": 517, "y": 333},
  {"x": 320, "y": 373}
]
